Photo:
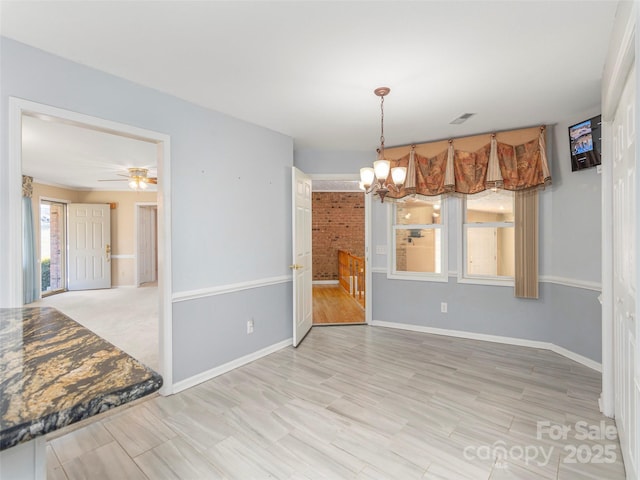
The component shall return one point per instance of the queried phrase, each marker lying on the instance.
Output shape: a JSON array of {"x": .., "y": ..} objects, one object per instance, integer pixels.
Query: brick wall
[{"x": 338, "y": 224}]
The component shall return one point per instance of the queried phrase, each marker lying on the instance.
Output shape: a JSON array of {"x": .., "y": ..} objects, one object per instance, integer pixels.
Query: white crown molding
[
  {"x": 227, "y": 367},
  {"x": 229, "y": 288},
  {"x": 587, "y": 362}
]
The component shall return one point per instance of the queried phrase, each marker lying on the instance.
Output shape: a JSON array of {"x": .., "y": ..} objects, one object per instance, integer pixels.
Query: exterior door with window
[
  {"x": 89, "y": 246},
  {"x": 53, "y": 243}
]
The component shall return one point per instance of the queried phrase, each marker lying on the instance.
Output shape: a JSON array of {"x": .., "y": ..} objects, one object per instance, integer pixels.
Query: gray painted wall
[
  {"x": 231, "y": 214},
  {"x": 570, "y": 248},
  {"x": 311, "y": 160},
  {"x": 576, "y": 212},
  {"x": 222, "y": 319}
]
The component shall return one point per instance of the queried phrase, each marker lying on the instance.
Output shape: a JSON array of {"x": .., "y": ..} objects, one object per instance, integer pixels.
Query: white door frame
[
  {"x": 18, "y": 107},
  {"x": 367, "y": 236},
  {"x": 136, "y": 243}
]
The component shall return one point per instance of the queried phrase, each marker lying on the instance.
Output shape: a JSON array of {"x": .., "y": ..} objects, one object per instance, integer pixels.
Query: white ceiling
[
  {"x": 308, "y": 68},
  {"x": 68, "y": 155}
]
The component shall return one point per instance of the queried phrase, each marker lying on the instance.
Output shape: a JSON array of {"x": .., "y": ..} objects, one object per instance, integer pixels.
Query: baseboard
[
  {"x": 587, "y": 362},
  {"x": 227, "y": 367},
  {"x": 576, "y": 357},
  {"x": 325, "y": 282}
]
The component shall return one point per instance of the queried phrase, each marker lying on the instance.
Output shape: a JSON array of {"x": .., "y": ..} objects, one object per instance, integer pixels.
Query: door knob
[
  {"x": 108, "y": 252},
  {"x": 295, "y": 266}
]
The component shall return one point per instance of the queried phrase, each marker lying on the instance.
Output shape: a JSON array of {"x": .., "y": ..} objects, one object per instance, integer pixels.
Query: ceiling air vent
[{"x": 461, "y": 119}]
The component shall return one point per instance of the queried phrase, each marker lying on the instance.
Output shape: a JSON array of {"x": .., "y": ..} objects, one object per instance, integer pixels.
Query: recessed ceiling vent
[{"x": 461, "y": 119}]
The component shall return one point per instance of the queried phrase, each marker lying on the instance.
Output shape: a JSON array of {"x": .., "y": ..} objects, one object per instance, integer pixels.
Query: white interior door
[
  {"x": 89, "y": 246},
  {"x": 627, "y": 376},
  {"x": 481, "y": 251},
  {"x": 301, "y": 244},
  {"x": 147, "y": 244}
]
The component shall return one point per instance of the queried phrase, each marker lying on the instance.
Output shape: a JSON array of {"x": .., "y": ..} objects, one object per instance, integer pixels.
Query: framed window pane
[
  {"x": 418, "y": 250},
  {"x": 490, "y": 206},
  {"x": 418, "y": 212},
  {"x": 490, "y": 251}
]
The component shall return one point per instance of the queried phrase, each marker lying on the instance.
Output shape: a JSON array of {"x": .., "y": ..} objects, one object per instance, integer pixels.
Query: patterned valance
[
  {"x": 513, "y": 160},
  {"x": 27, "y": 186}
]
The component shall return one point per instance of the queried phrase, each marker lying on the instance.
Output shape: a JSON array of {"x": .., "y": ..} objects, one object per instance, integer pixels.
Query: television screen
[{"x": 585, "y": 141}]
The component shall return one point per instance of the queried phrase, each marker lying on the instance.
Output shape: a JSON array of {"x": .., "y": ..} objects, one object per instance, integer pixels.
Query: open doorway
[
  {"x": 104, "y": 161},
  {"x": 338, "y": 252}
]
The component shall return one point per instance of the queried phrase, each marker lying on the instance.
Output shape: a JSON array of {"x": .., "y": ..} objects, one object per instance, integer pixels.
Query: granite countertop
[{"x": 54, "y": 372}]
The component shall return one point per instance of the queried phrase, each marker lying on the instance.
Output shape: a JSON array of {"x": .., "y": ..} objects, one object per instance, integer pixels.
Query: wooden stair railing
[{"x": 351, "y": 275}]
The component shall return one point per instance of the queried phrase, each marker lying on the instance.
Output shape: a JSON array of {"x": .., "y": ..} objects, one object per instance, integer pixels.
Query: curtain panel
[
  {"x": 514, "y": 160},
  {"x": 30, "y": 284}
]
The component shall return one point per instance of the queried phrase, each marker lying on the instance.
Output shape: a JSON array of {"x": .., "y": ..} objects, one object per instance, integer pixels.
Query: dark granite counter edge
[{"x": 11, "y": 436}]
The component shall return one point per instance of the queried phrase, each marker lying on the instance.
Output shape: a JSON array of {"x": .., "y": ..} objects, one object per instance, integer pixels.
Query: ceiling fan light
[
  {"x": 142, "y": 184},
  {"x": 133, "y": 184}
]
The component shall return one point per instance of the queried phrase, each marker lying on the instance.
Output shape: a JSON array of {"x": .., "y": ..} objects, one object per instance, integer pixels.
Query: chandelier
[{"x": 376, "y": 180}]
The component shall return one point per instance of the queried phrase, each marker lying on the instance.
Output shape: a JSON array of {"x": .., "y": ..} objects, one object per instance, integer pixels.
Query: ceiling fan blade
[
  {"x": 113, "y": 180},
  {"x": 152, "y": 180}
]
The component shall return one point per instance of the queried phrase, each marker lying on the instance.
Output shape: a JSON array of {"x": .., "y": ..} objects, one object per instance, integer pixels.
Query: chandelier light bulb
[
  {"x": 367, "y": 176},
  {"x": 381, "y": 169},
  {"x": 398, "y": 175}
]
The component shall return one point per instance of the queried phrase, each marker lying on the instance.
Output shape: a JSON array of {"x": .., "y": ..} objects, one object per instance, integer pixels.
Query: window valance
[{"x": 513, "y": 160}]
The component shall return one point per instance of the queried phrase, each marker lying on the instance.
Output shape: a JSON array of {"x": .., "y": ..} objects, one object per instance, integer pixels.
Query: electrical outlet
[
  {"x": 443, "y": 307},
  {"x": 381, "y": 249},
  {"x": 249, "y": 326}
]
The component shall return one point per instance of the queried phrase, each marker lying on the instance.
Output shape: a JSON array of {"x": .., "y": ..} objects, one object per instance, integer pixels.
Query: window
[
  {"x": 488, "y": 246},
  {"x": 418, "y": 240}
]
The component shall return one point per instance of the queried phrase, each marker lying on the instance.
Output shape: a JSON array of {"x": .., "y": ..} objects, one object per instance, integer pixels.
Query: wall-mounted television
[{"x": 585, "y": 141}]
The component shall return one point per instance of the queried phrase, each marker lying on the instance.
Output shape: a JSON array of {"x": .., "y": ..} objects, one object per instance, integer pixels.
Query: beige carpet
[{"x": 126, "y": 317}]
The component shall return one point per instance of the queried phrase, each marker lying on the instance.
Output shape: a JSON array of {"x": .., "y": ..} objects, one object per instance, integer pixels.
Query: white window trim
[
  {"x": 443, "y": 276},
  {"x": 463, "y": 277}
]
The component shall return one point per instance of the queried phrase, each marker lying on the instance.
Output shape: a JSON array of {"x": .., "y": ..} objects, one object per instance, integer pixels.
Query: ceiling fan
[{"x": 138, "y": 178}]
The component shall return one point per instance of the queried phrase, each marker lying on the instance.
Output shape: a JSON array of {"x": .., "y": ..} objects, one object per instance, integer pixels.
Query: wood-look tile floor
[
  {"x": 333, "y": 305},
  {"x": 360, "y": 402}
]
